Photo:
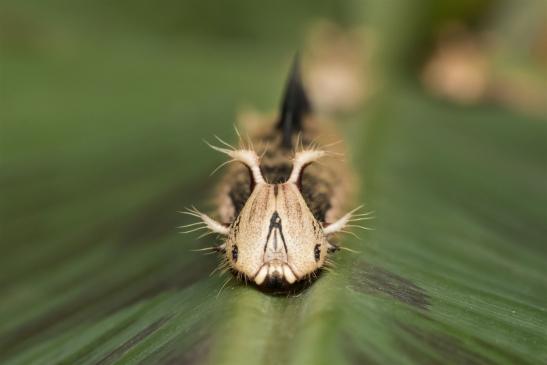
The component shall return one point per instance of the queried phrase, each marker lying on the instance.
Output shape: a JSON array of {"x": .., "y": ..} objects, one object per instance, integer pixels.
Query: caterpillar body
[{"x": 283, "y": 198}]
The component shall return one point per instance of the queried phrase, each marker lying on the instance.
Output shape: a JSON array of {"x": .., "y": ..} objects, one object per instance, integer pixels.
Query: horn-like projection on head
[
  {"x": 295, "y": 106},
  {"x": 301, "y": 160}
]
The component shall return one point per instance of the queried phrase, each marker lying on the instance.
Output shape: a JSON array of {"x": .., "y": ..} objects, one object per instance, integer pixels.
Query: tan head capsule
[{"x": 275, "y": 239}]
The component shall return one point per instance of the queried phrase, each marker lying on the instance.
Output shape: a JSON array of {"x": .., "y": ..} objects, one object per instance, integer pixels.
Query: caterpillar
[{"x": 282, "y": 200}]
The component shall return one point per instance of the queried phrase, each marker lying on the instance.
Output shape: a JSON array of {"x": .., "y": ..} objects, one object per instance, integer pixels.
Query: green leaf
[{"x": 94, "y": 272}]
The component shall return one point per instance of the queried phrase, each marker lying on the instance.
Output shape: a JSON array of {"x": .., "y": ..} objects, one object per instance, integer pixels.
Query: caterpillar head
[{"x": 276, "y": 239}]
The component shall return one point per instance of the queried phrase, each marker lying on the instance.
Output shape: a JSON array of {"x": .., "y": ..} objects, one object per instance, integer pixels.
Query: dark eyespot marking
[
  {"x": 234, "y": 253},
  {"x": 317, "y": 252}
]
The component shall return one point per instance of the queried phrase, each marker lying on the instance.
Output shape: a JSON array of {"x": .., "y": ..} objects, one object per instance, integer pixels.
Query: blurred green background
[{"x": 104, "y": 106}]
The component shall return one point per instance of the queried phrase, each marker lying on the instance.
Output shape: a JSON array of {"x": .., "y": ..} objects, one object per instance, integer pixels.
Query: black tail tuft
[{"x": 295, "y": 105}]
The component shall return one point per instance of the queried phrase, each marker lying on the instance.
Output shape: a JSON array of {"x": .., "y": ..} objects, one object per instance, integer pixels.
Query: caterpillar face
[
  {"x": 276, "y": 233},
  {"x": 276, "y": 238}
]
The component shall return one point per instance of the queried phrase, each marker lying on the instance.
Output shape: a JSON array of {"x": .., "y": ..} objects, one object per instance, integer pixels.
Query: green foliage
[{"x": 101, "y": 145}]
